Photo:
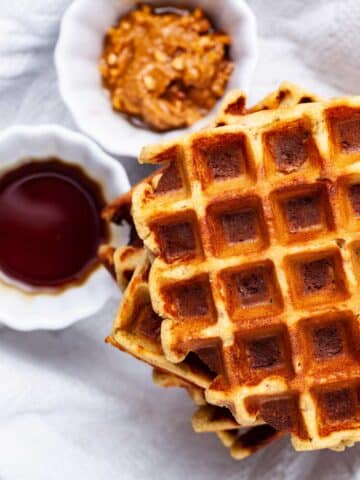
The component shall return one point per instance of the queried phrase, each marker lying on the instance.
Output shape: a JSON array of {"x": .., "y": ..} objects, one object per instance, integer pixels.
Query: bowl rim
[
  {"x": 133, "y": 146},
  {"x": 54, "y": 321}
]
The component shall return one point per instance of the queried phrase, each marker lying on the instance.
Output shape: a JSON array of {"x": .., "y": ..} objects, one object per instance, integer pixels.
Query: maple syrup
[{"x": 50, "y": 223}]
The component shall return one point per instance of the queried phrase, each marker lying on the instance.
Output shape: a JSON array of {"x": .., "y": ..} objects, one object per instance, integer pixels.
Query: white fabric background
[{"x": 72, "y": 407}]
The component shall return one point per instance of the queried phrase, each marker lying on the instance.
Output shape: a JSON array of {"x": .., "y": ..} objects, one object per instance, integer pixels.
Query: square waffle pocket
[{"x": 256, "y": 261}]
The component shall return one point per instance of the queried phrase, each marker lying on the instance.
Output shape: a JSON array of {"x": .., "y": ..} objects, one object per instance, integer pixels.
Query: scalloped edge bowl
[
  {"x": 25, "y": 309},
  {"x": 79, "y": 48}
]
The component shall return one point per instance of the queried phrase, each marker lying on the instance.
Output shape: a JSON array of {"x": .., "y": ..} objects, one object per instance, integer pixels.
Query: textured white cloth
[{"x": 72, "y": 407}]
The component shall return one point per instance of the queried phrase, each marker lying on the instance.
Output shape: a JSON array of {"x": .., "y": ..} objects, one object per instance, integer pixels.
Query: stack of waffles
[{"x": 241, "y": 276}]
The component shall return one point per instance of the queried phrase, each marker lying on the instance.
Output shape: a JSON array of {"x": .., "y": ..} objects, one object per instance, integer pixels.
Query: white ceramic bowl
[
  {"x": 79, "y": 48},
  {"x": 20, "y": 307}
]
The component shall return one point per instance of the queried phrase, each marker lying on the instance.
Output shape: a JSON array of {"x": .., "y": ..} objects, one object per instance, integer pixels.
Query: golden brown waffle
[
  {"x": 136, "y": 330},
  {"x": 288, "y": 95},
  {"x": 136, "y": 333},
  {"x": 128, "y": 257},
  {"x": 164, "y": 379},
  {"x": 122, "y": 262},
  {"x": 254, "y": 229},
  {"x": 243, "y": 443},
  {"x": 209, "y": 418}
]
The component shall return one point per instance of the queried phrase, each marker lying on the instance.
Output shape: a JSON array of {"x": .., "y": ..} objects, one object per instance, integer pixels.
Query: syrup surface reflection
[{"x": 50, "y": 225}]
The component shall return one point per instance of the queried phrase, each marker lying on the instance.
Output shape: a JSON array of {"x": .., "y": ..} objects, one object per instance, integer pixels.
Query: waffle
[
  {"x": 242, "y": 444},
  {"x": 132, "y": 332},
  {"x": 210, "y": 419},
  {"x": 253, "y": 226},
  {"x": 288, "y": 95},
  {"x": 136, "y": 330},
  {"x": 123, "y": 261}
]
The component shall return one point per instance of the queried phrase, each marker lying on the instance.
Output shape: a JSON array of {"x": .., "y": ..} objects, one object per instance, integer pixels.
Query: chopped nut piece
[
  {"x": 150, "y": 83},
  {"x": 178, "y": 63},
  {"x": 193, "y": 73},
  {"x": 112, "y": 58},
  {"x": 160, "y": 56}
]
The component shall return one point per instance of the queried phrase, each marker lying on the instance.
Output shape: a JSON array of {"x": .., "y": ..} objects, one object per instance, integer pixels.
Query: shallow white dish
[
  {"x": 20, "y": 307},
  {"x": 77, "y": 55}
]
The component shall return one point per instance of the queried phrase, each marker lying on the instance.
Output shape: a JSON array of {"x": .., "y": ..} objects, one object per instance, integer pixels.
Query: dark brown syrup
[{"x": 50, "y": 224}]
